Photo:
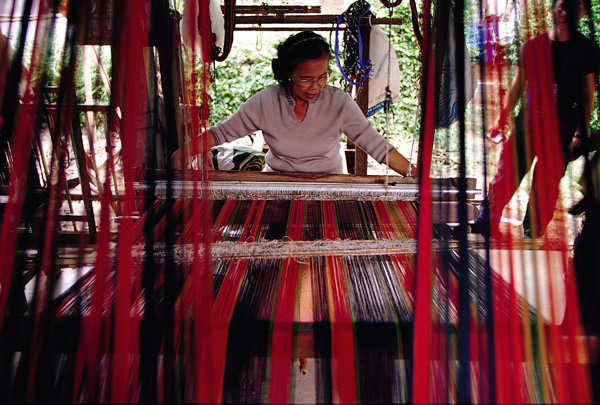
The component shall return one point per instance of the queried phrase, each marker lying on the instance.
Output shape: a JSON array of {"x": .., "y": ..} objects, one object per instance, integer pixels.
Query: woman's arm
[
  {"x": 182, "y": 157},
  {"x": 590, "y": 81},
  {"x": 511, "y": 98},
  {"x": 400, "y": 164},
  {"x": 580, "y": 142}
]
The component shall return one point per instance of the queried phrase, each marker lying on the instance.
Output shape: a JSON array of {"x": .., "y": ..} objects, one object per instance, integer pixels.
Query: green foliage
[
  {"x": 245, "y": 72},
  {"x": 53, "y": 66},
  {"x": 99, "y": 91}
]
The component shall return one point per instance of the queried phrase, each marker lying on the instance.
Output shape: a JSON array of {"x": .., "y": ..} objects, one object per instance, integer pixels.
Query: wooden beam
[
  {"x": 266, "y": 9},
  {"x": 326, "y": 20},
  {"x": 362, "y": 98}
]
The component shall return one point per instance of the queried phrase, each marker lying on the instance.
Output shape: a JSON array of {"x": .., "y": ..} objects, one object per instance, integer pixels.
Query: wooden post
[
  {"x": 84, "y": 178},
  {"x": 362, "y": 99},
  {"x": 163, "y": 23}
]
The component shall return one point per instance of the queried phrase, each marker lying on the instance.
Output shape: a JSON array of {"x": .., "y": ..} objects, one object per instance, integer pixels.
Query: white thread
[{"x": 236, "y": 190}]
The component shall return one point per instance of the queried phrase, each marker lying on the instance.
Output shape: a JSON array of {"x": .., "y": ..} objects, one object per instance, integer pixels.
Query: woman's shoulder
[
  {"x": 533, "y": 48},
  {"x": 588, "y": 53},
  {"x": 272, "y": 90},
  {"x": 543, "y": 38},
  {"x": 582, "y": 37},
  {"x": 268, "y": 95},
  {"x": 586, "y": 42},
  {"x": 333, "y": 99},
  {"x": 332, "y": 94},
  {"x": 335, "y": 91}
]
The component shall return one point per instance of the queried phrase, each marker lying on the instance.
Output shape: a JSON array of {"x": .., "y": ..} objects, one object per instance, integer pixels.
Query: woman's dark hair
[
  {"x": 587, "y": 4},
  {"x": 298, "y": 47}
]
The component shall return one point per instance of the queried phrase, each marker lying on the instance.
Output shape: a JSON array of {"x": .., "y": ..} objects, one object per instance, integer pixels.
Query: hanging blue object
[{"x": 355, "y": 69}]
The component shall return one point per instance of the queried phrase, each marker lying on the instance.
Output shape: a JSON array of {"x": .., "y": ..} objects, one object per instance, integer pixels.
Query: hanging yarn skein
[
  {"x": 390, "y": 4},
  {"x": 355, "y": 69},
  {"x": 220, "y": 54}
]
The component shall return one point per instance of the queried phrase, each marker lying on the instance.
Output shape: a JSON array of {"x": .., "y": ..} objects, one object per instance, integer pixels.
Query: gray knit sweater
[{"x": 311, "y": 145}]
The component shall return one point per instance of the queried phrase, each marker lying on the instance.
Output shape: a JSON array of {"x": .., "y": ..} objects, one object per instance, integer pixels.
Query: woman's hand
[
  {"x": 412, "y": 171},
  {"x": 579, "y": 146},
  {"x": 177, "y": 159},
  {"x": 495, "y": 135},
  {"x": 180, "y": 159},
  {"x": 496, "y": 132}
]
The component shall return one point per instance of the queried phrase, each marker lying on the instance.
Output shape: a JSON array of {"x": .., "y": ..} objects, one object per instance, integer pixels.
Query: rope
[
  {"x": 412, "y": 145},
  {"x": 387, "y": 105}
]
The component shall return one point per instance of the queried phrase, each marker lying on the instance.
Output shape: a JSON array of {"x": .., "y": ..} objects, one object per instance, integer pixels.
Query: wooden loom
[{"x": 202, "y": 296}]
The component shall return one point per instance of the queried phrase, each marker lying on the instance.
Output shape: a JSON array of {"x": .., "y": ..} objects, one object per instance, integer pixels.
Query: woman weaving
[
  {"x": 302, "y": 118},
  {"x": 556, "y": 78}
]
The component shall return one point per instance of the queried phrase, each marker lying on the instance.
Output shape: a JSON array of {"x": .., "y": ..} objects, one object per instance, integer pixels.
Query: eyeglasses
[{"x": 321, "y": 80}]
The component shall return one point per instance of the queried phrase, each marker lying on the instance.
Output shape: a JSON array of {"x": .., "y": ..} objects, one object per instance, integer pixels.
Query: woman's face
[
  {"x": 561, "y": 9},
  {"x": 309, "y": 77}
]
